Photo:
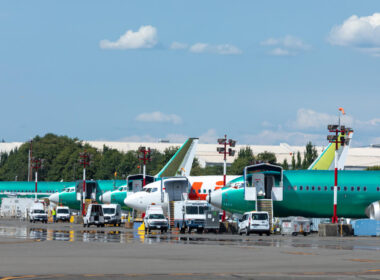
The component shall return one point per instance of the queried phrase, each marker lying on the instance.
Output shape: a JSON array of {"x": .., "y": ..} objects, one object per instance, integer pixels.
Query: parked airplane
[
  {"x": 201, "y": 186},
  {"x": 179, "y": 164},
  {"x": 302, "y": 193}
]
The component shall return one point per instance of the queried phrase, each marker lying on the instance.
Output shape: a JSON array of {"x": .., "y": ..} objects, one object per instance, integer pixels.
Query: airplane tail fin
[
  {"x": 325, "y": 161},
  {"x": 182, "y": 161}
]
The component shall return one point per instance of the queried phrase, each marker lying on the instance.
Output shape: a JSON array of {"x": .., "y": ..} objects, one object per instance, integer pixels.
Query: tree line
[{"x": 61, "y": 161}]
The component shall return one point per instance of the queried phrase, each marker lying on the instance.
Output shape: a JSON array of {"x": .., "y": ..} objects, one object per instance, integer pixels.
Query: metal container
[
  {"x": 366, "y": 227},
  {"x": 212, "y": 220},
  {"x": 295, "y": 225}
]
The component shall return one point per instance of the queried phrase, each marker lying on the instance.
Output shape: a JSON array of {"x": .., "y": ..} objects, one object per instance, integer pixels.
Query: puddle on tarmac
[{"x": 120, "y": 236}]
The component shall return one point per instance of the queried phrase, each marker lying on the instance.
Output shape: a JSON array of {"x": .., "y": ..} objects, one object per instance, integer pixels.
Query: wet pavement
[{"x": 68, "y": 251}]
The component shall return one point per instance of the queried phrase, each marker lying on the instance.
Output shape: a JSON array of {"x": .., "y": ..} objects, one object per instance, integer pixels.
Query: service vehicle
[
  {"x": 37, "y": 213},
  {"x": 155, "y": 220},
  {"x": 190, "y": 214},
  {"x": 94, "y": 216},
  {"x": 254, "y": 222},
  {"x": 112, "y": 214},
  {"x": 63, "y": 214},
  {"x": 295, "y": 225}
]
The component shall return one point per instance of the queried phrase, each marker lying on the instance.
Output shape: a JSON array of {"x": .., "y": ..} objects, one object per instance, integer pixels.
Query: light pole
[
  {"x": 36, "y": 163},
  {"x": 85, "y": 160},
  {"x": 144, "y": 156},
  {"x": 223, "y": 150},
  {"x": 342, "y": 130}
]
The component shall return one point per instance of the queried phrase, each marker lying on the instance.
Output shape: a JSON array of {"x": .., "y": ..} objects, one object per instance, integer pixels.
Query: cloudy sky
[{"x": 264, "y": 72}]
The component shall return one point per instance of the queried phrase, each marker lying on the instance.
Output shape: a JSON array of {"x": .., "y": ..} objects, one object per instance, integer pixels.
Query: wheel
[
  {"x": 261, "y": 234},
  {"x": 239, "y": 232},
  {"x": 268, "y": 233},
  {"x": 183, "y": 230},
  {"x": 200, "y": 230},
  {"x": 247, "y": 232},
  {"x": 146, "y": 230},
  {"x": 97, "y": 225},
  {"x": 189, "y": 230},
  {"x": 162, "y": 231},
  {"x": 294, "y": 233},
  {"x": 305, "y": 234}
]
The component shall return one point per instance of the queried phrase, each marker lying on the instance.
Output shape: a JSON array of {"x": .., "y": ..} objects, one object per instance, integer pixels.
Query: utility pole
[
  {"x": 144, "y": 156},
  {"x": 36, "y": 163},
  {"x": 30, "y": 161},
  {"x": 223, "y": 150},
  {"x": 337, "y": 129},
  {"x": 85, "y": 160}
]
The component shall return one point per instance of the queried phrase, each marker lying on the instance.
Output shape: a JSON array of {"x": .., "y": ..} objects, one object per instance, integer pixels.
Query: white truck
[
  {"x": 155, "y": 220},
  {"x": 94, "y": 216},
  {"x": 112, "y": 214},
  {"x": 63, "y": 214},
  {"x": 190, "y": 214},
  {"x": 254, "y": 222},
  {"x": 37, "y": 213}
]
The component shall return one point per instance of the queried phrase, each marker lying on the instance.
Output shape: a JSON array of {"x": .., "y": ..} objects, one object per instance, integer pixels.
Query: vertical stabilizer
[
  {"x": 325, "y": 161},
  {"x": 182, "y": 161}
]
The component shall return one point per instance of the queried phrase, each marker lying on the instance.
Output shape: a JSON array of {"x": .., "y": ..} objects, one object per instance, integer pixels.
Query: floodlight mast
[
  {"x": 333, "y": 128},
  {"x": 85, "y": 160},
  {"x": 36, "y": 163},
  {"x": 145, "y": 156},
  {"x": 230, "y": 152}
]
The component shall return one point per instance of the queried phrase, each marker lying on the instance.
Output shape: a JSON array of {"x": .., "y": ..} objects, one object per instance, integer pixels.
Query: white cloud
[
  {"x": 286, "y": 46},
  {"x": 145, "y": 37},
  {"x": 271, "y": 137},
  {"x": 209, "y": 137},
  {"x": 159, "y": 117},
  {"x": 309, "y": 119},
  {"x": 359, "y": 32},
  {"x": 178, "y": 46},
  {"x": 224, "y": 49}
]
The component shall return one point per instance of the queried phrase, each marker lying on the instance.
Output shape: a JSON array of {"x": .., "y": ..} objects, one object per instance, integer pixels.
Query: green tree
[
  {"x": 285, "y": 165},
  {"x": 245, "y": 158},
  {"x": 376, "y": 167},
  {"x": 267, "y": 157},
  {"x": 299, "y": 161},
  {"x": 310, "y": 155}
]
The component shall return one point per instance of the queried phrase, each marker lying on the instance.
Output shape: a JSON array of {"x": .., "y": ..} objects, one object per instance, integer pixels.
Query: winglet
[{"x": 182, "y": 161}]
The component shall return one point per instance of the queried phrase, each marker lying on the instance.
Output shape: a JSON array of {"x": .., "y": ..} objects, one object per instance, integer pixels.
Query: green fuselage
[{"x": 310, "y": 194}]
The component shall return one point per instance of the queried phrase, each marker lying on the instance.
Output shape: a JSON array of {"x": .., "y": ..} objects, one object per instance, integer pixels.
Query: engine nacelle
[{"x": 373, "y": 211}]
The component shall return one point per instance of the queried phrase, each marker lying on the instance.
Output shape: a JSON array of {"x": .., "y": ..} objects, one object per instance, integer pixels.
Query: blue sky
[{"x": 264, "y": 72}]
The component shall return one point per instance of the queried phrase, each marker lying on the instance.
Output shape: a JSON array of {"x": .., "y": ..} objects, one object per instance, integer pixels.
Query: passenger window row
[{"x": 325, "y": 188}]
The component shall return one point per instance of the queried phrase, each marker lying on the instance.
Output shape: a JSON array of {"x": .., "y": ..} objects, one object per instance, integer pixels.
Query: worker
[{"x": 54, "y": 214}]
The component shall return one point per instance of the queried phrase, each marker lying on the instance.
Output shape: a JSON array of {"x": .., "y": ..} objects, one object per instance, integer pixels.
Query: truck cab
[
  {"x": 112, "y": 214},
  {"x": 190, "y": 214},
  {"x": 155, "y": 220},
  {"x": 254, "y": 222},
  {"x": 38, "y": 213}
]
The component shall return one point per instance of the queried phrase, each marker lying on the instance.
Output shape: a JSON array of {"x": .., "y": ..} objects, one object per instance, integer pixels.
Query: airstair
[
  {"x": 267, "y": 206},
  {"x": 171, "y": 214}
]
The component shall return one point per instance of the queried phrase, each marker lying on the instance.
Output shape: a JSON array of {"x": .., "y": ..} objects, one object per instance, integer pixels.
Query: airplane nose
[
  {"x": 106, "y": 197},
  {"x": 215, "y": 198},
  {"x": 132, "y": 202},
  {"x": 54, "y": 198}
]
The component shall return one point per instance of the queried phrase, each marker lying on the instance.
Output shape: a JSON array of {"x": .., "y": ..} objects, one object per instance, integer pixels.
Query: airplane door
[
  {"x": 259, "y": 183},
  {"x": 250, "y": 189}
]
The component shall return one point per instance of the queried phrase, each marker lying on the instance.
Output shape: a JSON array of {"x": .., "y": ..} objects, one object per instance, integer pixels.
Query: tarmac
[{"x": 67, "y": 251}]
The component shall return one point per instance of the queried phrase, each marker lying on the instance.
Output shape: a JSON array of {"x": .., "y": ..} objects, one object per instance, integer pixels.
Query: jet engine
[{"x": 373, "y": 210}]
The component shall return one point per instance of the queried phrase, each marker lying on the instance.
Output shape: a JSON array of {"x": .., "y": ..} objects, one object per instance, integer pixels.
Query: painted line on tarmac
[{"x": 364, "y": 260}]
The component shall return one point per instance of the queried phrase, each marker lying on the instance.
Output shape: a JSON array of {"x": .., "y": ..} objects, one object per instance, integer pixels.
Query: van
[
  {"x": 254, "y": 222},
  {"x": 38, "y": 213},
  {"x": 94, "y": 216},
  {"x": 155, "y": 220},
  {"x": 63, "y": 214},
  {"x": 112, "y": 214}
]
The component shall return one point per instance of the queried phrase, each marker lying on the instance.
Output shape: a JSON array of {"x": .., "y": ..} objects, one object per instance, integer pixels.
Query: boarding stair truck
[
  {"x": 38, "y": 213},
  {"x": 263, "y": 185},
  {"x": 173, "y": 189},
  {"x": 63, "y": 214},
  {"x": 155, "y": 220},
  {"x": 112, "y": 214},
  {"x": 94, "y": 216},
  {"x": 190, "y": 214}
]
